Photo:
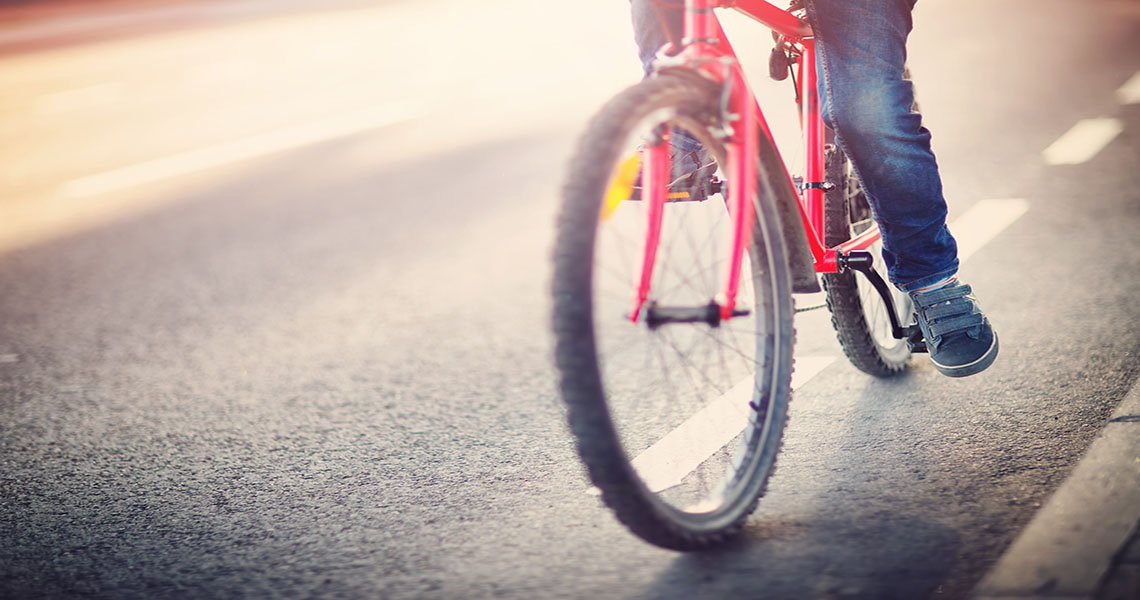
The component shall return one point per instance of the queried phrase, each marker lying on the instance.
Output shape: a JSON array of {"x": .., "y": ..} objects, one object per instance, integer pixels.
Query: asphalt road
[{"x": 274, "y": 313}]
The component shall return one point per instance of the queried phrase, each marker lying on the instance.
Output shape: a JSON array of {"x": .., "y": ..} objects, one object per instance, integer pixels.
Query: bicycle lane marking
[
  {"x": 1083, "y": 141},
  {"x": 681, "y": 451},
  {"x": 1129, "y": 93},
  {"x": 667, "y": 462},
  {"x": 1089, "y": 136},
  {"x": 271, "y": 142},
  {"x": 670, "y": 459},
  {"x": 983, "y": 222}
]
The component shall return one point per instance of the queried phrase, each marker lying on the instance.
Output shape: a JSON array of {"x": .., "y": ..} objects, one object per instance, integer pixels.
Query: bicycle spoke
[
  {"x": 687, "y": 365},
  {"x": 735, "y": 349}
]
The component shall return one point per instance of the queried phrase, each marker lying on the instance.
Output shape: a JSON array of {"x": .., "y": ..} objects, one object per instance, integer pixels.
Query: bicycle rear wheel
[
  {"x": 678, "y": 425},
  {"x": 857, "y": 310}
]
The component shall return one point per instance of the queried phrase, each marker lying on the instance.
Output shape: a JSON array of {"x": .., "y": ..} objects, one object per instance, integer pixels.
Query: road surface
[{"x": 274, "y": 311}]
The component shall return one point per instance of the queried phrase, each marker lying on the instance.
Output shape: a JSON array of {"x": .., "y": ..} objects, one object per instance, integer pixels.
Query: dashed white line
[
  {"x": 1129, "y": 93},
  {"x": 983, "y": 222},
  {"x": 1087, "y": 138},
  {"x": 237, "y": 150},
  {"x": 674, "y": 456}
]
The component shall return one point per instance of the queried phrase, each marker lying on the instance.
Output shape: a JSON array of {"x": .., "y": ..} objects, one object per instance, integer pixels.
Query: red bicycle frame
[{"x": 704, "y": 48}]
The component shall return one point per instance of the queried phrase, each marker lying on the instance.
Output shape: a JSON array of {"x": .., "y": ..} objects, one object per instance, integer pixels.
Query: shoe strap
[
  {"x": 947, "y": 326},
  {"x": 950, "y": 308},
  {"x": 945, "y": 311}
]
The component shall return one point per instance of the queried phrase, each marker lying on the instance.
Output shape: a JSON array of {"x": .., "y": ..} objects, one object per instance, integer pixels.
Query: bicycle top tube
[{"x": 762, "y": 11}]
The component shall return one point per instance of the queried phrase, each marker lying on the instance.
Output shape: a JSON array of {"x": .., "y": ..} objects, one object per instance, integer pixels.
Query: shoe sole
[{"x": 973, "y": 368}]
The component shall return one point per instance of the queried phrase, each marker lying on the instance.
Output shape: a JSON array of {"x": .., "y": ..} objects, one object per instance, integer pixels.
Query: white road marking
[
  {"x": 9, "y": 358},
  {"x": 983, "y": 222},
  {"x": 271, "y": 142},
  {"x": 808, "y": 367},
  {"x": 1129, "y": 93},
  {"x": 667, "y": 462},
  {"x": 1083, "y": 141}
]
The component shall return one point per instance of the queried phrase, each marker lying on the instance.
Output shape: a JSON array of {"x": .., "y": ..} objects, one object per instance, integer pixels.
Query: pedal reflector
[{"x": 621, "y": 188}]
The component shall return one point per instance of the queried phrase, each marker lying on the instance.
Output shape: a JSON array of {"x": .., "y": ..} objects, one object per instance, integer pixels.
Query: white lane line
[
  {"x": 983, "y": 222},
  {"x": 271, "y": 142},
  {"x": 1129, "y": 93},
  {"x": 1083, "y": 141},
  {"x": 667, "y": 462}
]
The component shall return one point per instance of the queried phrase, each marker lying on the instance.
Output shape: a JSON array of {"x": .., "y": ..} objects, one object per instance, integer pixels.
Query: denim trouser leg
[
  {"x": 862, "y": 53},
  {"x": 649, "y": 31},
  {"x": 866, "y": 101}
]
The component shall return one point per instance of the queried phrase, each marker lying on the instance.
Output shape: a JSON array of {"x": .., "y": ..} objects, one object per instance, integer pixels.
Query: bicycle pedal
[{"x": 915, "y": 340}]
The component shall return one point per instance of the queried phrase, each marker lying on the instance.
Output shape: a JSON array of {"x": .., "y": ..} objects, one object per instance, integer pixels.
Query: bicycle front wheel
[
  {"x": 858, "y": 312},
  {"x": 678, "y": 424}
]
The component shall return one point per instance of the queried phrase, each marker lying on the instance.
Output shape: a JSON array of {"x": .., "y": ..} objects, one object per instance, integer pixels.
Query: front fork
[{"x": 740, "y": 116}]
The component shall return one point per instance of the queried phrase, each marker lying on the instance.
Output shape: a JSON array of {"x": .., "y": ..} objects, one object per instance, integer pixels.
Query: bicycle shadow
[{"x": 838, "y": 527}]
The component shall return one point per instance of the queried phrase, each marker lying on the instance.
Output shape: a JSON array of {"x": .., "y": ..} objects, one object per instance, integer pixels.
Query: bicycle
[{"x": 673, "y": 308}]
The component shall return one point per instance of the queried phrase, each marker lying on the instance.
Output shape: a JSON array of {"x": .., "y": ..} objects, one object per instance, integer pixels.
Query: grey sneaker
[{"x": 958, "y": 336}]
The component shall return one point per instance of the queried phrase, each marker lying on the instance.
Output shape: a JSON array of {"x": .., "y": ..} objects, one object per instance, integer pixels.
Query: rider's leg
[
  {"x": 649, "y": 31},
  {"x": 649, "y": 27},
  {"x": 862, "y": 55},
  {"x": 866, "y": 101}
]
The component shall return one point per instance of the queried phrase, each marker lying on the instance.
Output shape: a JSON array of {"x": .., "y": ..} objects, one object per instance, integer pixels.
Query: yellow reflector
[{"x": 621, "y": 188}]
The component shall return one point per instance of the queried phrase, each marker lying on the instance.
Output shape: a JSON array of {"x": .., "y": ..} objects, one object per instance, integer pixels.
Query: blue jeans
[{"x": 867, "y": 103}]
